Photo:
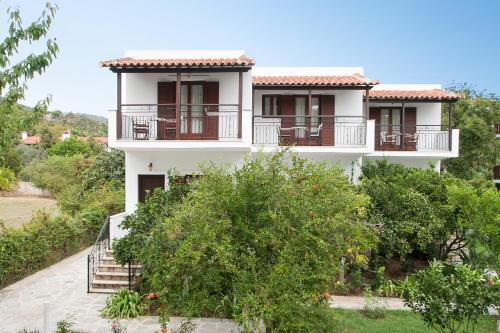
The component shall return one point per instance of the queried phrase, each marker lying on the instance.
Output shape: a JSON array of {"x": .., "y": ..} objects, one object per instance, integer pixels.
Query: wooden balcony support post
[
  {"x": 309, "y": 110},
  {"x": 367, "y": 104},
  {"x": 178, "y": 106},
  {"x": 450, "y": 106},
  {"x": 403, "y": 126},
  {"x": 253, "y": 115},
  {"x": 118, "y": 105},
  {"x": 240, "y": 103}
]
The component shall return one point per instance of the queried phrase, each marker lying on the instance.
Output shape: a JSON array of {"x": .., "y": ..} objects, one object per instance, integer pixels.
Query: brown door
[
  {"x": 375, "y": 115},
  {"x": 327, "y": 120},
  {"x": 166, "y": 111},
  {"x": 147, "y": 184},
  {"x": 410, "y": 129},
  {"x": 210, "y": 116}
]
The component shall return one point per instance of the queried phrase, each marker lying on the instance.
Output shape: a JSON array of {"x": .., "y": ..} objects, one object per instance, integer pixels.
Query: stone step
[
  {"x": 102, "y": 290},
  {"x": 116, "y": 268},
  {"x": 106, "y": 284},
  {"x": 112, "y": 276}
]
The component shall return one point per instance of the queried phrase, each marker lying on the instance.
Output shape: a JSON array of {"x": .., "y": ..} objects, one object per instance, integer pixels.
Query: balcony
[
  {"x": 412, "y": 138},
  {"x": 158, "y": 122},
  {"x": 288, "y": 130}
]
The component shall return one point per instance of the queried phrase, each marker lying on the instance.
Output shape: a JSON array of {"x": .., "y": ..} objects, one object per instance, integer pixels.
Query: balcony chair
[
  {"x": 140, "y": 130},
  {"x": 166, "y": 129},
  {"x": 315, "y": 135},
  {"x": 411, "y": 141},
  {"x": 389, "y": 141},
  {"x": 285, "y": 136}
]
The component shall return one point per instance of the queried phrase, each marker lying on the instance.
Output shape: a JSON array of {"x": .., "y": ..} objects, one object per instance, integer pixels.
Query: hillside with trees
[{"x": 79, "y": 124}]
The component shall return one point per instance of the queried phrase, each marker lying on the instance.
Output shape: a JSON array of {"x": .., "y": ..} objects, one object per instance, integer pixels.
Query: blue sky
[{"x": 395, "y": 41}]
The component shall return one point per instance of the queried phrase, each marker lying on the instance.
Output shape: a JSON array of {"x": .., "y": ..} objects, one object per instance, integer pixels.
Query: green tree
[
  {"x": 451, "y": 298},
  {"x": 7, "y": 179},
  {"x": 14, "y": 76},
  {"x": 410, "y": 207},
  {"x": 262, "y": 242},
  {"x": 47, "y": 138},
  {"x": 478, "y": 221},
  {"x": 57, "y": 172},
  {"x": 69, "y": 147},
  {"x": 475, "y": 116},
  {"x": 108, "y": 167}
]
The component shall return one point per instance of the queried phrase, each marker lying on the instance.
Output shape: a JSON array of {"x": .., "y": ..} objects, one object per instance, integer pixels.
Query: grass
[
  {"x": 353, "y": 321},
  {"x": 16, "y": 211}
]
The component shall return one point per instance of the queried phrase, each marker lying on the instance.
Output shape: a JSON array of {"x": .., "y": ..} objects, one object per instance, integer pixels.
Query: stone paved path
[{"x": 64, "y": 286}]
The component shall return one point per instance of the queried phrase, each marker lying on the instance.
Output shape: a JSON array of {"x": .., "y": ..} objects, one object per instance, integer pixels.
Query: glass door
[{"x": 192, "y": 109}]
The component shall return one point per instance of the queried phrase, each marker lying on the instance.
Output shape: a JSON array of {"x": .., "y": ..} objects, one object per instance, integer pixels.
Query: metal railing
[
  {"x": 347, "y": 131},
  {"x": 134, "y": 273},
  {"x": 101, "y": 245},
  {"x": 197, "y": 122},
  {"x": 412, "y": 137}
]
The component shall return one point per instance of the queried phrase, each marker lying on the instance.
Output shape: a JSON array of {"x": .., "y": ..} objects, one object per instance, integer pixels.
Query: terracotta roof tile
[
  {"x": 434, "y": 95},
  {"x": 321, "y": 81},
  {"x": 32, "y": 140},
  {"x": 242, "y": 61}
]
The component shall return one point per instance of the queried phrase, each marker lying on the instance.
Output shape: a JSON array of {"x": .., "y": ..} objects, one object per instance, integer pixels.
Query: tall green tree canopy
[
  {"x": 475, "y": 116},
  {"x": 14, "y": 76}
]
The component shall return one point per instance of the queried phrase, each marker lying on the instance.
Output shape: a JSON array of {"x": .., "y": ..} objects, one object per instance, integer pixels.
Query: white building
[{"x": 177, "y": 109}]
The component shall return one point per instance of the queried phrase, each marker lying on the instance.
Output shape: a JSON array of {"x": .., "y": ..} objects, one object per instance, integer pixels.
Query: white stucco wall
[{"x": 184, "y": 162}]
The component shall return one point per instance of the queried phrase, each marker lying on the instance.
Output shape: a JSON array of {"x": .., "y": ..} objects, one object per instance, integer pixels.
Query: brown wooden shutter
[
  {"x": 374, "y": 114},
  {"x": 287, "y": 109},
  {"x": 211, "y": 122},
  {"x": 327, "y": 108},
  {"x": 166, "y": 95}
]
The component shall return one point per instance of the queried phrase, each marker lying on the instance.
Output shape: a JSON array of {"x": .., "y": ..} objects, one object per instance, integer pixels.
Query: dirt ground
[{"x": 16, "y": 211}]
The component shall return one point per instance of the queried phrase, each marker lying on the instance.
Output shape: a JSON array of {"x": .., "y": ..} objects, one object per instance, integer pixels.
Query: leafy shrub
[
  {"x": 31, "y": 153},
  {"x": 57, "y": 173},
  {"x": 66, "y": 325},
  {"x": 123, "y": 304},
  {"x": 341, "y": 288},
  {"x": 451, "y": 298},
  {"x": 43, "y": 241},
  {"x": 159, "y": 206},
  {"x": 259, "y": 243},
  {"x": 69, "y": 147},
  {"x": 108, "y": 167},
  {"x": 409, "y": 205},
  {"x": 374, "y": 308},
  {"x": 117, "y": 327},
  {"x": 7, "y": 180},
  {"x": 10, "y": 158},
  {"x": 356, "y": 279}
]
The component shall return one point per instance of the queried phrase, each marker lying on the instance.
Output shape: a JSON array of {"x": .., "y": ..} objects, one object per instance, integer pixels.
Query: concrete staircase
[{"x": 111, "y": 276}]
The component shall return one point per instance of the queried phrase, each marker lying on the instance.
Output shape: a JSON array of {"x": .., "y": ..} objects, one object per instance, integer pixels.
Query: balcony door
[
  {"x": 199, "y": 108},
  {"x": 389, "y": 127}
]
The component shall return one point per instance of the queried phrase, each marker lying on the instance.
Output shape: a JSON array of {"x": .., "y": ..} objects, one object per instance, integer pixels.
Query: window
[{"x": 270, "y": 105}]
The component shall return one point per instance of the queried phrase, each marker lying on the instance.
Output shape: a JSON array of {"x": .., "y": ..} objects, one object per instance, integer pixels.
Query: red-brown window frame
[{"x": 278, "y": 105}]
